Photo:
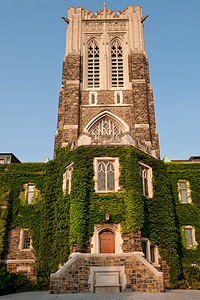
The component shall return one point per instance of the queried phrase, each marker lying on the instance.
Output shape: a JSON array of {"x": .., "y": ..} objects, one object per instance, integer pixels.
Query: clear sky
[{"x": 32, "y": 47}]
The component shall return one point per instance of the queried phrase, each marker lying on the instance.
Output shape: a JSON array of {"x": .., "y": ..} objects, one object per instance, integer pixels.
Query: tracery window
[
  {"x": 106, "y": 174},
  {"x": 93, "y": 65},
  {"x": 117, "y": 64},
  {"x": 103, "y": 127},
  {"x": 146, "y": 179}
]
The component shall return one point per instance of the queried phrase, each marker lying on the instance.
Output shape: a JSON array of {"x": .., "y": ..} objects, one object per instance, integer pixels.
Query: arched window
[
  {"x": 93, "y": 65},
  {"x": 106, "y": 176},
  {"x": 105, "y": 127},
  {"x": 117, "y": 64}
]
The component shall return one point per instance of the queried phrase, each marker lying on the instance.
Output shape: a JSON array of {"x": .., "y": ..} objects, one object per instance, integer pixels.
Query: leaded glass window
[
  {"x": 93, "y": 65},
  {"x": 106, "y": 176},
  {"x": 117, "y": 64},
  {"x": 105, "y": 126}
]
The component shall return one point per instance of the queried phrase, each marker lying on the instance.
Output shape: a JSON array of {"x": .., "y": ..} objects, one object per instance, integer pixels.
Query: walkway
[{"x": 169, "y": 295}]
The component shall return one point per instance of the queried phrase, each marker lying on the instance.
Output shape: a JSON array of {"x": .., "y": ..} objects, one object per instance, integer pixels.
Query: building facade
[{"x": 107, "y": 215}]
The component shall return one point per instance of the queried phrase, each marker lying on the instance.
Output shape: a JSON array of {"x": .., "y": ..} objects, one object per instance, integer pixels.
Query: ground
[{"x": 168, "y": 295}]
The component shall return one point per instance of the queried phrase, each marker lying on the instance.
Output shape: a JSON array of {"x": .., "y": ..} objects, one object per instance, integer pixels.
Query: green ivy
[{"x": 57, "y": 221}]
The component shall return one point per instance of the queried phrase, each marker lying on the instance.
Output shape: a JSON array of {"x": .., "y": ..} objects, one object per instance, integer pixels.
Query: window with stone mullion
[
  {"x": 93, "y": 65},
  {"x": 117, "y": 64},
  {"x": 106, "y": 176}
]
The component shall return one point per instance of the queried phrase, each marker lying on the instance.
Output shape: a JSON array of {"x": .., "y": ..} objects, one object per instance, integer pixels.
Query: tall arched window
[
  {"x": 117, "y": 64},
  {"x": 106, "y": 176},
  {"x": 93, "y": 65}
]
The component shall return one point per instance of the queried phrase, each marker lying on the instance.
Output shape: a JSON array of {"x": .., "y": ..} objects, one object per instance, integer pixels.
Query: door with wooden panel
[{"x": 107, "y": 242}]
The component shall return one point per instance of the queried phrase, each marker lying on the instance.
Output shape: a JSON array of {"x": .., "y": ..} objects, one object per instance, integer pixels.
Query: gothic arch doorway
[{"x": 107, "y": 241}]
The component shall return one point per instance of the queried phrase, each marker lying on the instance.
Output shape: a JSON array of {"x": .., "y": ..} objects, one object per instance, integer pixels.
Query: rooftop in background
[
  {"x": 192, "y": 159},
  {"x": 8, "y": 158}
]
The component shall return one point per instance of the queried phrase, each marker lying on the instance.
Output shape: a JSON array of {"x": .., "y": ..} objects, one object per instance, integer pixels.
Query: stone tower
[{"x": 106, "y": 97}]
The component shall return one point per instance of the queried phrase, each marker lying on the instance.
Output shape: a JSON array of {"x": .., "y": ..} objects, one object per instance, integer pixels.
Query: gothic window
[
  {"x": 30, "y": 192},
  {"x": 184, "y": 191},
  {"x": 117, "y": 64},
  {"x": 93, "y": 65},
  {"x": 106, "y": 174},
  {"x": 189, "y": 236},
  {"x": 67, "y": 180},
  {"x": 105, "y": 127},
  {"x": 146, "y": 180}
]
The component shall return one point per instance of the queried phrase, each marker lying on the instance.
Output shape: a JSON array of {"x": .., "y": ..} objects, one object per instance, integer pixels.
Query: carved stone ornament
[
  {"x": 116, "y": 26},
  {"x": 93, "y": 26}
]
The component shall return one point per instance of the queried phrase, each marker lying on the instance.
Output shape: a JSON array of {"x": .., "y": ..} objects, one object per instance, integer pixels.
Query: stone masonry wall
[
  {"x": 140, "y": 275},
  {"x": 16, "y": 260},
  {"x": 69, "y": 98},
  {"x": 132, "y": 242}
]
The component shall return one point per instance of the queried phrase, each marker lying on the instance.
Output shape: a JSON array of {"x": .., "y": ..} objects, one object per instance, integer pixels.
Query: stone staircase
[{"x": 107, "y": 273}]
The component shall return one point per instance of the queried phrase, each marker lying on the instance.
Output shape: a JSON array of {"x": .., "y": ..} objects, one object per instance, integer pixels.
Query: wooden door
[{"x": 107, "y": 242}]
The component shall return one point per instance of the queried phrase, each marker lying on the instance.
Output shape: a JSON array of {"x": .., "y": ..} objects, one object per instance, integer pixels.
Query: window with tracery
[
  {"x": 106, "y": 176},
  {"x": 117, "y": 64},
  {"x": 93, "y": 65},
  {"x": 105, "y": 127}
]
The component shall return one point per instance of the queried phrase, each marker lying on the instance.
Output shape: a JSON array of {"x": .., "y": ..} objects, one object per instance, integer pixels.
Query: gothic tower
[{"x": 106, "y": 97}]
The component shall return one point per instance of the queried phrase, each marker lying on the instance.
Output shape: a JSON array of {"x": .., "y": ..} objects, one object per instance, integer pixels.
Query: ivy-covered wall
[
  {"x": 187, "y": 214},
  {"x": 57, "y": 221}
]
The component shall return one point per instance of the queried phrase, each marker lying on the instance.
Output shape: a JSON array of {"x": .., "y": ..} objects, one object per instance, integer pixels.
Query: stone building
[
  {"x": 113, "y": 206},
  {"x": 106, "y": 100}
]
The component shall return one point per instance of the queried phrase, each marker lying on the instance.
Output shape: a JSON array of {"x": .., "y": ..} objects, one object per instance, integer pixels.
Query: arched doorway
[{"x": 107, "y": 241}]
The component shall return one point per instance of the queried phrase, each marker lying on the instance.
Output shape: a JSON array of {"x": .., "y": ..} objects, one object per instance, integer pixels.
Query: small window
[
  {"x": 67, "y": 180},
  {"x": 93, "y": 98},
  {"x": 118, "y": 97},
  {"x": 184, "y": 191},
  {"x": 25, "y": 240},
  {"x": 106, "y": 174},
  {"x": 146, "y": 180},
  {"x": 189, "y": 235},
  {"x": 150, "y": 251},
  {"x": 30, "y": 193}
]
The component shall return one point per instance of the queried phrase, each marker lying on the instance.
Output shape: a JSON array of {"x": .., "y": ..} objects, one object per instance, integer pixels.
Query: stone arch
[
  {"x": 106, "y": 126},
  {"x": 99, "y": 229}
]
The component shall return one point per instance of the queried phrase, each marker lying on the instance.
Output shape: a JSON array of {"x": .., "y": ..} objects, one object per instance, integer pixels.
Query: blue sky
[{"x": 32, "y": 47}]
